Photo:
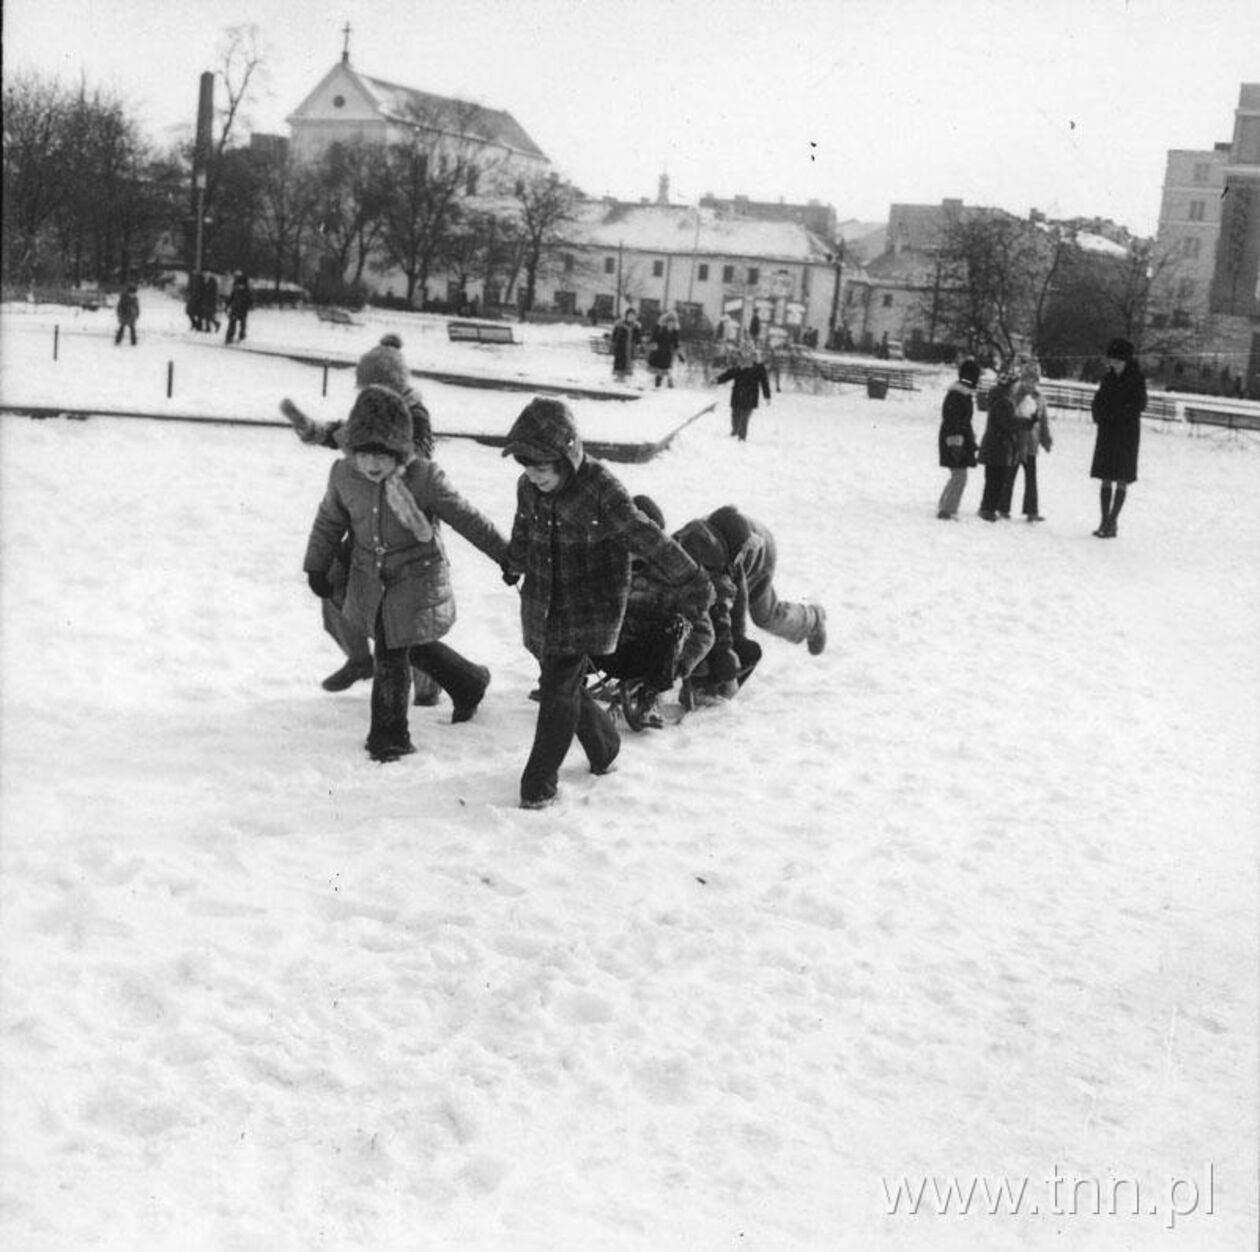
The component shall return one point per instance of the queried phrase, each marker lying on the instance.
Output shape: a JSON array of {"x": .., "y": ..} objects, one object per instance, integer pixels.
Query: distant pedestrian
[
  {"x": 754, "y": 327},
  {"x": 128, "y": 314},
  {"x": 999, "y": 448},
  {"x": 192, "y": 301},
  {"x": 208, "y": 302},
  {"x": 956, "y": 441},
  {"x": 625, "y": 339},
  {"x": 1030, "y": 406},
  {"x": 239, "y": 302},
  {"x": 666, "y": 348},
  {"x": 749, "y": 381},
  {"x": 1117, "y": 409}
]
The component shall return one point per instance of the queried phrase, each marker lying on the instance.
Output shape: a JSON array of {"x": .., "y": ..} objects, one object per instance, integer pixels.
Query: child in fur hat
[
  {"x": 383, "y": 364},
  {"x": 389, "y": 502},
  {"x": 575, "y": 530}
]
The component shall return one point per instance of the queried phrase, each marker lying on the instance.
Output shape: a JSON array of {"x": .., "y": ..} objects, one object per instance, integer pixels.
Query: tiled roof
[
  {"x": 495, "y": 126},
  {"x": 681, "y": 229}
]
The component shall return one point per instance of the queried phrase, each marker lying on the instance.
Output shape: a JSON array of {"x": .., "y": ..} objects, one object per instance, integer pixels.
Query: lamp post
[{"x": 199, "y": 181}]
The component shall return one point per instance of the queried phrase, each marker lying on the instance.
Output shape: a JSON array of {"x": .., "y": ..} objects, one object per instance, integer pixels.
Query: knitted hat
[
  {"x": 383, "y": 364},
  {"x": 645, "y": 504},
  {"x": 1120, "y": 350},
  {"x": 1030, "y": 371},
  {"x": 969, "y": 373},
  {"x": 379, "y": 419}
]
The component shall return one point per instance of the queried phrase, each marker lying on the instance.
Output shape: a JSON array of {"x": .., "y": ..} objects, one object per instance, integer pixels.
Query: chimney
[{"x": 662, "y": 190}]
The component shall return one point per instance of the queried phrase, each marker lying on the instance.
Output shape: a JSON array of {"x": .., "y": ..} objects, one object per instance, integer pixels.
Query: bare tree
[
  {"x": 287, "y": 194},
  {"x": 348, "y": 212},
  {"x": 547, "y": 205}
]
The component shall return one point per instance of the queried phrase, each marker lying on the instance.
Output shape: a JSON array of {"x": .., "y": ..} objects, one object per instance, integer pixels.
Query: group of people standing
[
  {"x": 1018, "y": 426},
  {"x": 201, "y": 304},
  {"x": 603, "y": 587}
]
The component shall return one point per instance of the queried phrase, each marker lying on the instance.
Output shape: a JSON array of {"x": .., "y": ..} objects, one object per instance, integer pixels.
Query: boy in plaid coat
[{"x": 574, "y": 532}]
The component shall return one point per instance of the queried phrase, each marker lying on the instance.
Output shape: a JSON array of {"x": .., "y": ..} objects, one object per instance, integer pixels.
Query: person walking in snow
[
  {"x": 1117, "y": 410},
  {"x": 239, "y": 302},
  {"x": 1030, "y": 406},
  {"x": 208, "y": 302},
  {"x": 385, "y": 365},
  {"x": 575, "y": 531},
  {"x": 666, "y": 348},
  {"x": 390, "y": 502},
  {"x": 128, "y": 312},
  {"x": 624, "y": 338},
  {"x": 749, "y": 380},
  {"x": 956, "y": 440},
  {"x": 740, "y": 557}
]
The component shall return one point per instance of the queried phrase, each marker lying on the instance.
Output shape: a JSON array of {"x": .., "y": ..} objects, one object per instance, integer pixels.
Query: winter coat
[
  {"x": 1029, "y": 403},
  {"x": 665, "y": 346},
  {"x": 749, "y": 380},
  {"x": 391, "y": 570},
  {"x": 574, "y": 545},
  {"x": 653, "y": 604},
  {"x": 1002, "y": 441},
  {"x": 1117, "y": 408},
  {"x": 128, "y": 309},
  {"x": 240, "y": 300},
  {"x": 737, "y": 553},
  {"x": 956, "y": 441},
  {"x": 625, "y": 336},
  {"x": 208, "y": 299}
]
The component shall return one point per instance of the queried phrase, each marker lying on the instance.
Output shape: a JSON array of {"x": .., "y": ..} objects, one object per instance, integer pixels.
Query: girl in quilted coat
[
  {"x": 572, "y": 539},
  {"x": 391, "y": 501}
]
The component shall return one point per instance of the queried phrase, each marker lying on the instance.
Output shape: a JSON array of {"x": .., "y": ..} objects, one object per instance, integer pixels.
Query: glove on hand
[
  {"x": 318, "y": 582},
  {"x": 510, "y": 576}
]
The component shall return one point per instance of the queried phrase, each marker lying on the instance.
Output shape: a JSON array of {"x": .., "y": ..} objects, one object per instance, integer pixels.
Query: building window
[
  {"x": 658, "y": 269},
  {"x": 702, "y": 272},
  {"x": 728, "y": 273},
  {"x": 754, "y": 275},
  {"x": 610, "y": 265},
  {"x": 1196, "y": 210},
  {"x": 518, "y": 187},
  {"x": 1185, "y": 290},
  {"x": 1201, "y": 169},
  {"x": 566, "y": 302},
  {"x": 568, "y": 262},
  {"x": 339, "y": 102},
  {"x": 888, "y": 301}
]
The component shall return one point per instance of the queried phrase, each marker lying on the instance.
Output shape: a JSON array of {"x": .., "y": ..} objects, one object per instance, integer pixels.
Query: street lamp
[
  {"x": 199, "y": 181},
  {"x": 838, "y": 261}
]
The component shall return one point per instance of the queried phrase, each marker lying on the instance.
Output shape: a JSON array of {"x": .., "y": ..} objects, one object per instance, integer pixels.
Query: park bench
[
  {"x": 480, "y": 332},
  {"x": 339, "y": 317},
  {"x": 1213, "y": 419}
]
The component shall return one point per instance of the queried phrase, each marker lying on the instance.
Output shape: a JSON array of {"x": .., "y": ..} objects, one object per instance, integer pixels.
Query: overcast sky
[{"x": 1069, "y": 106}]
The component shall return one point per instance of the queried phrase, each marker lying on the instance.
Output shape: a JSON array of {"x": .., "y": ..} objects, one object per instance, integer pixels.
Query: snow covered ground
[{"x": 969, "y": 901}]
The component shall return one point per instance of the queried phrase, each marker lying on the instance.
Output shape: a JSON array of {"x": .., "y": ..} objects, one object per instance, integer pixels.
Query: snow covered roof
[{"x": 669, "y": 228}]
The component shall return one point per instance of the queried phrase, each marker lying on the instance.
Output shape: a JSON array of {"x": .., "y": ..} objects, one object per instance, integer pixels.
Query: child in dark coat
[
  {"x": 399, "y": 587},
  {"x": 956, "y": 441},
  {"x": 575, "y": 530},
  {"x": 749, "y": 379}
]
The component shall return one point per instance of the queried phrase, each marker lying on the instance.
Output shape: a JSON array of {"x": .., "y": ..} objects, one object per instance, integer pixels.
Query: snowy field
[{"x": 967, "y": 902}]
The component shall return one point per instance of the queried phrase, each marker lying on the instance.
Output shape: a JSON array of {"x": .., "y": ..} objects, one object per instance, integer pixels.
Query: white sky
[{"x": 1069, "y": 106}]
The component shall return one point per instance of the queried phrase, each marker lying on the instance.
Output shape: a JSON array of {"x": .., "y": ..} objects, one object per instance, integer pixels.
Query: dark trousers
[
  {"x": 1029, "y": 465},
  {"x": 125, "y": 326},
  {"x": 236, "y": 322},
  {"x": 739, "y": 422},
  {"x": 391, "y": 685},
  {"x": 565, "y": 709},
  {"x": 999, "y": 482}
]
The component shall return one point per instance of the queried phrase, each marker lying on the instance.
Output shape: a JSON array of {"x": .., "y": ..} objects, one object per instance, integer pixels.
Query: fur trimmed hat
[
  {"x": 652, "y": 510},
  {"x": 969, "y": 373},
  {"x": 379, "y": 420},
  {"x": 384, "y": 365},
  {"x": 1120, "y": 350}
]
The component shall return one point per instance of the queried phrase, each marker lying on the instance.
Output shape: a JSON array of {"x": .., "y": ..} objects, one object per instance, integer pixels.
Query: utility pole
[{"x": 838, "y": 262}]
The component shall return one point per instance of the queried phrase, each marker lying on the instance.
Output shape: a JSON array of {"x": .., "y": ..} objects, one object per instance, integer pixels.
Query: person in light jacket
[
  {"x": 1030, "y": 406},
  {"x": 392, "y": 502},
  {"x": 1117, "y": 409}
]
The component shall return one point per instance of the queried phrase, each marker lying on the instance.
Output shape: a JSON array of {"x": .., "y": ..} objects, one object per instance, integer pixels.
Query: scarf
[{"x": 405, "y": 508}]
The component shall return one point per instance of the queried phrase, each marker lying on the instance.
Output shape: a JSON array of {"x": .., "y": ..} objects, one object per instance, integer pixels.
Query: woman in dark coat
[
  {"x": 956, "y": 441},
  {"x": 1117, "y": 408}
]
